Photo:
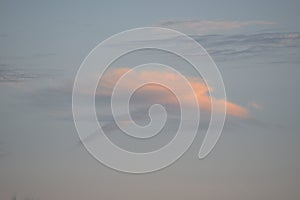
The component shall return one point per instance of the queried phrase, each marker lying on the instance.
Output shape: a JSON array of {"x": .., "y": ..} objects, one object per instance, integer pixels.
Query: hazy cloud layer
[{"x": 58, "y": 94}]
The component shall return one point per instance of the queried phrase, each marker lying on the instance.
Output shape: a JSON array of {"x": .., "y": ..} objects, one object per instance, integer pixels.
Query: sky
[{"x": 256, "y": 46}]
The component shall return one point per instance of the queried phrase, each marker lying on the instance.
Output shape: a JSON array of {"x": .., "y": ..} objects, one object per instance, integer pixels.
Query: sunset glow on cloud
[{"x": 159, "y": 94}]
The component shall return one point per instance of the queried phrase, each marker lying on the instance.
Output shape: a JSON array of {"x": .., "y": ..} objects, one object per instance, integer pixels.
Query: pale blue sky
[{"x": 42, "y": 44}]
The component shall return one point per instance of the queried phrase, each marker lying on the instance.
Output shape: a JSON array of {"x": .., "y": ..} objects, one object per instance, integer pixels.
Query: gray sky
[{"x": 255, "y": 44}]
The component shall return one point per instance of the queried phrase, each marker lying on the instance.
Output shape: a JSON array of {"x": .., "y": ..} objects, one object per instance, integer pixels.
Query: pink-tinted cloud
[{"x": 161, "y": 95}]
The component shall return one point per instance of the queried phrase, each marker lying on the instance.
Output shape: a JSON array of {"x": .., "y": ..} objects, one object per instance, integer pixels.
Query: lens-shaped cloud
[{"x": 159, "y": 94}]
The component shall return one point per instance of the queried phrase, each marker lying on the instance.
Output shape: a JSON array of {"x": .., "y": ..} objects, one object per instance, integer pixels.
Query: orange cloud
[{"x": 160, "y": 94}]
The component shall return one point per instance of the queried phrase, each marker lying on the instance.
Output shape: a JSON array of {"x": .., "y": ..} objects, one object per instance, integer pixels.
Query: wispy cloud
[
  {"x": 209, "y": 26},
  {"x": 9, "y": 74},
  {"x": 237, "y": 45},
  {"x": 159, "y": 94},
  {"x": 14, "y": 74},
  {"x": 60, "y": 95}
]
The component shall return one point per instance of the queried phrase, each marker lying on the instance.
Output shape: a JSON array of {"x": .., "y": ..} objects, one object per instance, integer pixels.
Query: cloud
[
  {"x": 159, "y": 94},
  {"x": 10, "y": 74},
  {"x": 259, "y": 39},
  {"x": 237, "y": 45},
  {"x": 208, "y": 26},
  {"x": 155, "y": 94}
]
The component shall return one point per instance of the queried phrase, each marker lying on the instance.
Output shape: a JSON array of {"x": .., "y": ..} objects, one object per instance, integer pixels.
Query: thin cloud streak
[
  {"x": 11, "y": 75},
  {"x": 240, "y": 45},
  {"x": 209, "y": 26}
]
